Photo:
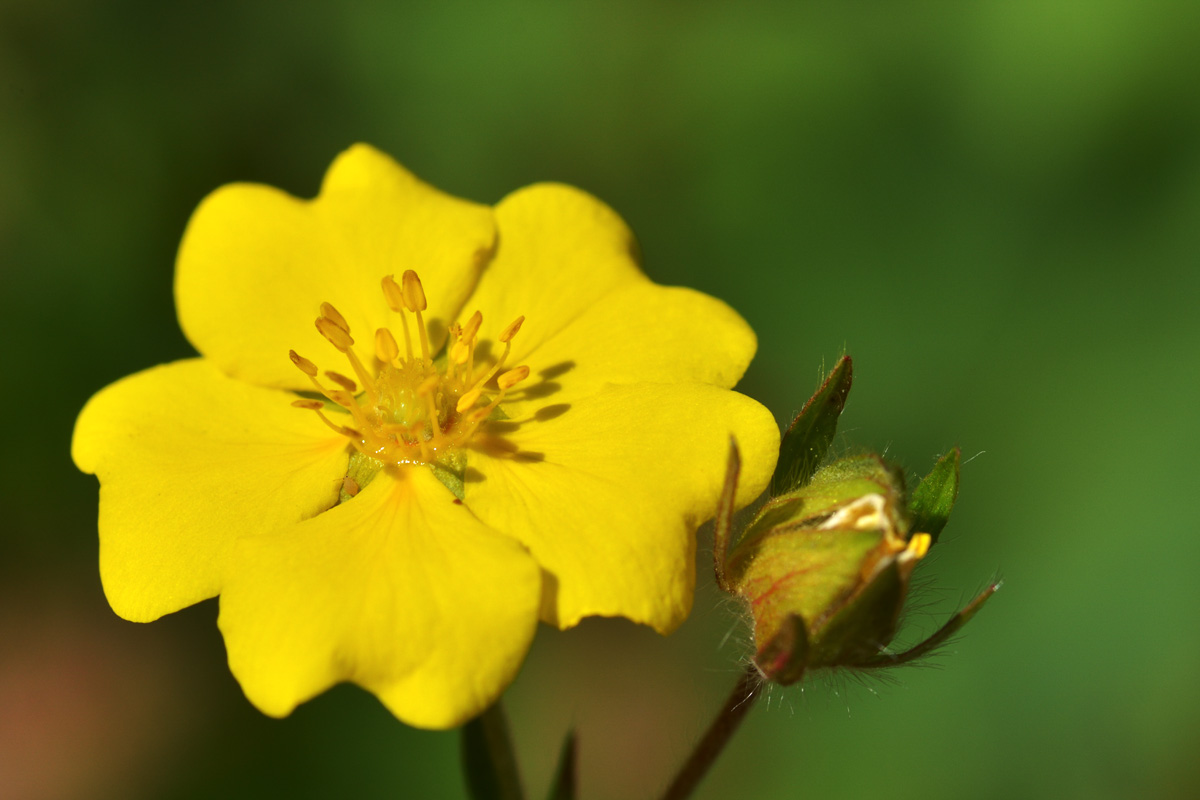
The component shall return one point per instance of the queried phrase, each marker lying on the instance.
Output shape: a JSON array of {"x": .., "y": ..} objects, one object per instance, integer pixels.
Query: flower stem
[
  {"x": 489, "y": 763},
  {"x": 717, "y": 736}
]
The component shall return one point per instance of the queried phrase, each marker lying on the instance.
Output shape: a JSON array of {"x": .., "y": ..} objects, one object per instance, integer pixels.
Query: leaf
[
  {"x": 489, "y": 763},
  {"x": 808, "y": 438},
  {"x": 934, "y": 497},
  {"x": 565, "y": 777}
]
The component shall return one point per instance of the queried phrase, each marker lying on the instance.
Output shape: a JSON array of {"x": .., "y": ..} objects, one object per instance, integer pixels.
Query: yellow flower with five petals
[{"x": 520, "y": 426}]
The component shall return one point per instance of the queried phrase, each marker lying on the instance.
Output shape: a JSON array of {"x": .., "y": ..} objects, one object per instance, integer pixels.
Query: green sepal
[
  {"x": 785, "y": 657},
  {"x": 811, "y": 433},
  {"x": 360, "y": 469},
  {"x": 566, "y": 781},
  {"x": 450, "y": 469},
  {"x": 488, "y": 760},
  {"x": 939, "y": 638},
  {"x": 866, "y": 622},
  {"x": 934, "y": 498}
]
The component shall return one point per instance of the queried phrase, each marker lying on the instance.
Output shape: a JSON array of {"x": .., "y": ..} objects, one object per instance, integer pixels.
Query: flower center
[{"x": 413, "y": 408}]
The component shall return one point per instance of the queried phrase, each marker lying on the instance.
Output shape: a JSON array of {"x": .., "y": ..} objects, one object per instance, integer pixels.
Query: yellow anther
[
  {"x": 308, "y": 405},
  {"x": 392, "y": 293},
  {"x": 349, "y": 486},
  {"x": 336, "y": 336},
  {"x": 460, "y": 352},
  {"x": 343, "y": 398},
  {"x": 479, "y": 415},
  {"x": 512, "y": 377},
  {"x": 385, "y": 346},
  {"x": 306, "y": 366},
  {"x": 414, "y": 293},
  {"x": 508, "y": 333},
  {"x": 334, "y": 316},
  {"x": 472, "y": 326},
  {"x": 919, "y": 544},
  {"x": 428, "y": 385},
  {"x": 341, "y": 380},
  {"x": 468, "y": 400}
]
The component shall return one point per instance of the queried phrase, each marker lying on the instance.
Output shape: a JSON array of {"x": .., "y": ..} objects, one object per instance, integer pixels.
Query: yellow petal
[
  {"x": 188, "y": 459},
  {"x": 256, "y": 263},
  {"x": 400, "y": 590},
  {"x": 638, "y": 332},
  {"x": 608, "y": 494},
  {"x": 559, "y": 251}
]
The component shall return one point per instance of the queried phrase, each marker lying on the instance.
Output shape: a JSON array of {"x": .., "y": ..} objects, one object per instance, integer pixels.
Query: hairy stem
[{"x": 717, "y": 736}]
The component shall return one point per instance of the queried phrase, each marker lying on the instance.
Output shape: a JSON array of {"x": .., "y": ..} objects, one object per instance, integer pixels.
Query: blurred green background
[{"x": 992, "y": 206}]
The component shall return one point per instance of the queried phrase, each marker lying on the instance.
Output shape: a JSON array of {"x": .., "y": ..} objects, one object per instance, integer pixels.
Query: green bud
[
  {"x": 834, "y": 555},
  {"x": 824, "y": 567}
]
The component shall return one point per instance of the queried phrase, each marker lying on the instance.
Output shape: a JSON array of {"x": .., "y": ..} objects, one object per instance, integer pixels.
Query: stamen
[
  {"x": 390, "y": 423},
  {"x": 305, "y": 366},
  {"x": 918, "y": 545},
  {"x": 414, "y": 292},
  {"x": 468, "y": 400},
  {"x": 414, "y": 301},
  {"x": 395, "y": 300},
  {"x": 385, "y": 346},
  {"x": 472, "y": 327},
  {"x": 508, "y": 333},
  {"x": 512, "y": 378},
  {"x": 337, "y": 336},
  {"x": 334, "y": 316},
  {"x": 341, "y": 380},
  {"x": 318, "y": 406}
]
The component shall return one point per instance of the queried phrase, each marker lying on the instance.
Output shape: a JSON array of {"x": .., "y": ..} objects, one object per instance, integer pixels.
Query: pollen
[{"x": 403, "y": 406}]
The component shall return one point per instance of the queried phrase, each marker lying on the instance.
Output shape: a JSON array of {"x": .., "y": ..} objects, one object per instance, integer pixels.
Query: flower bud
[{"x": 824, "y": 567}]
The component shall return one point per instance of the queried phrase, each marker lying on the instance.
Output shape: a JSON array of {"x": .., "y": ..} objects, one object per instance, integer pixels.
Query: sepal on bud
[{"x": 825, "y": 565}]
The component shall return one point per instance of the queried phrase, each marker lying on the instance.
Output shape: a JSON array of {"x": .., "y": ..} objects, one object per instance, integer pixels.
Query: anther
[
  {"x": 336, "y": 336},
  {"x": 306, "y": 366},
  {"x": 508, "y": 333},
  {"x": 472, "y": 326},
  {"x": 392, "y": 293},
  {"x": 918, "y": 545},
  {"x": 512, "y": 377},
  {"x": 309, "y": 405},
  {"x": 460, "y": 352},
  {"x": 341, "y": 380},
  {"x": 468, "y": 400},
  {"x": 385, "y": 346},
  {"x": 343, "y": 399},
  {"x": 414, "y": 293},
  {"x": 349, "y": 486},
  {"x": 334, "y": 316}
]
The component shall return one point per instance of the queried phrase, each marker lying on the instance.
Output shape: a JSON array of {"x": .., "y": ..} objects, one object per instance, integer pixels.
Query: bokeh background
[{"x": 992, "y": 206}]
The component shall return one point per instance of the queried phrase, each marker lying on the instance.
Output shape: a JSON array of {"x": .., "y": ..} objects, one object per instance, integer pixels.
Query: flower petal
[
  {"x": 188, "y": 459},
  {"x": 608, "y": 494},
  {"x": 640, "y": 332},
  {"x": 400, "y": 590},
  {"x": 256, "y": 263},
  {"x": 559, "y": 251}
]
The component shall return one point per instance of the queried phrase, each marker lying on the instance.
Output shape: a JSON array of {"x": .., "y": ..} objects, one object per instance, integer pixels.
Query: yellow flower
[{"x": 514, "y": 356}]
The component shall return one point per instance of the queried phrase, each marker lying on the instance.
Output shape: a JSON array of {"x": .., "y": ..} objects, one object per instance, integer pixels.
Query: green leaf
[
  {"x": 808, "y": 438},
  {"x": 489, "y": 763},
  {"x": 934, "y": 497},
  {"x": 565, "y": 777}
]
